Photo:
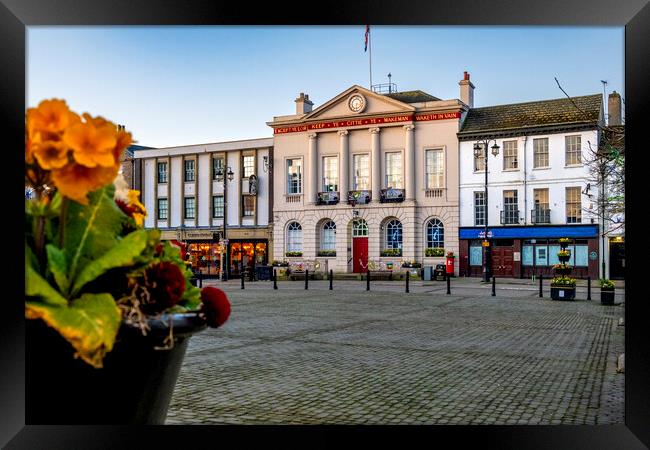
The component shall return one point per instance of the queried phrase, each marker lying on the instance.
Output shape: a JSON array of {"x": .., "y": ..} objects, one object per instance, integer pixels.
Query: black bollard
[
  {"x": 331, "y": 279},
  {"x": 200, "y": 279},
  {"x": 541, "y": 277},
  {"x": 306, "y": 279},
  {"x": 275, "y": 279},
  {"x": 493, "y": 286},
  {"x": 242, "y": 280},
  {"x": 368, "y": 280},
  {"x": 407, "y": 281},
  {"x": 448, "y": 284},
  {"x": 588, "y": 288}
]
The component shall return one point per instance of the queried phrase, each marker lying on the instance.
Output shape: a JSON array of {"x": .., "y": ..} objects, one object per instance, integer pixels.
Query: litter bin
[
  {"x": 427, "y": 273},
  {"x": 439, "y": 273},
  {"x": 263, "y": 273}
]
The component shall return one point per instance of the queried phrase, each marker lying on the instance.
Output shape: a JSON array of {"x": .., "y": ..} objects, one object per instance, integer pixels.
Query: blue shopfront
[{"x": 521, "y": 251}]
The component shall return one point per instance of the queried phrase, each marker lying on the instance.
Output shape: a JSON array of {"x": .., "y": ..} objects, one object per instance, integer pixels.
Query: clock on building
[{"x": 357, "y": 103}]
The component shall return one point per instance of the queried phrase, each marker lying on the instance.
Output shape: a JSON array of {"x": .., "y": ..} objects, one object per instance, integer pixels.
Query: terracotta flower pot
[{"x": 135, "y": 385}]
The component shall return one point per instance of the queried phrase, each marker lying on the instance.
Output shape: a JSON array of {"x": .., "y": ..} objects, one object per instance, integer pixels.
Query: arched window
[
  {"x": 359, "y": 228},
  {"x": 393, "y": 237},
  {"x": 328, "y": 236},
  {"x": 294, "y": 237},
  {"x": 435, "y": 234}
]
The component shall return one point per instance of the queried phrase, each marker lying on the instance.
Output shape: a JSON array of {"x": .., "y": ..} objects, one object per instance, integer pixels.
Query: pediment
[{"x": 338, "y": 107}]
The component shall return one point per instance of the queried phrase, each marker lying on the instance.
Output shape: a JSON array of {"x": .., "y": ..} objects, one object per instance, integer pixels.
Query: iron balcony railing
[
  {"x": 359, "y": 197},
  {"x": 510, "y": 216},
  {"x": 540, "y": 215},
  {"x": 327, "y": 198},
  {"x": 391, "y": 195}
]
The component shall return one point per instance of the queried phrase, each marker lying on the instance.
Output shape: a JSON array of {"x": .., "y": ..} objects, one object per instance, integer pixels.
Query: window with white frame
[
  {"x": 328, "y": 236},
  {"x": 217, "y": 206},
  {"x": 435, "y": 234},
  {"x": 361, "y": 168},
  {"x": 162, "y": 209},
  {"x": 479, "y": 161},
  {"x": 479, "y": 208},
  {"x": 190, "y": 211},
  {"x": 393, "y": 235},
  {"x": 510, "y": 155},
  {"x": 162, "y": 172},
  {"x": 510, "y": 207},
  {"x": 294, "y": 176},
  {"x": 573, "y": 205},
  {"x": 360, "y": 228},
  {"x": 541, "y": 212},
  {"x": 248, "y": 205},
  {"x": 435, "y": 168},
  {"x": 294, "y": 237},
  {"x": 540, "y": 152},
  {"x": 394, "y": 170},
  {"x": 249, "y": 165},
  {"x": 330, "y": 173},
  {"x": 572, "y": 150},
  {"x": 217, "y": 167},
  {"x": 189, "y": 170}
]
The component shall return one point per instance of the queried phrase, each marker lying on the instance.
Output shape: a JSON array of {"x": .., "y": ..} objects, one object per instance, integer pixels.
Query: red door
[
  {"x": 502, "y": 262},
  {"x": 359, "y": 254}
]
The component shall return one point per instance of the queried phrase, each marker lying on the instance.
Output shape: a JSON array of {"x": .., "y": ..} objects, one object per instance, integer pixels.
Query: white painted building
[
  {"x": 184, "y": 196},
  {"x": 538, "y": 187},
  {"x": 368, "y": 179}
]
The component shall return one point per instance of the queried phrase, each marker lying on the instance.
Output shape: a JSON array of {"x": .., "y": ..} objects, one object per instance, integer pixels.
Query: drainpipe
[{"x": 525, "y": 190}]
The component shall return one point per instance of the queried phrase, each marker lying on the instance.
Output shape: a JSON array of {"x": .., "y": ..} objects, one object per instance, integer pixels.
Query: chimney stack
[
  {"x": 614, "y": 109},
  {"x": 466, "y": 90},
  {"x": 303, "y": 105}
]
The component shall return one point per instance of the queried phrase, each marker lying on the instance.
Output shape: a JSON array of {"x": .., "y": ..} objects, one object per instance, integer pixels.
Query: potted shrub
[
  {"x": 110, "y": 307},
  {"x": 563, "y": 287},
  {"x": 607, "y": 291}
]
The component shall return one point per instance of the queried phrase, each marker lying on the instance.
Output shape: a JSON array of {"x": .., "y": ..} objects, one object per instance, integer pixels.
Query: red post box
[{"x": 450, "y": 265}]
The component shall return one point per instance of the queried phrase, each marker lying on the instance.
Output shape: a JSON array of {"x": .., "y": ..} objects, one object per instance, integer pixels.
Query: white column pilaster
[
  {"x": 343, "y": 166},
  {"x": 409, "y": 160},
  {"x": 376, "y": 164},
  {"x": 312, "y": 180}
]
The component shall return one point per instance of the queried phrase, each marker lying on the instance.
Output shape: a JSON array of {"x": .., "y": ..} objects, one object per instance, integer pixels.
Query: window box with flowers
[
  {"x": 110, "y": 308},
  {"x": 293, "y": 254},
  {"x": 607, "y": 291},
  {"x": 436, "y": 252},
  {"x": 391, "y": 252},
  {"x": 327, "y": 253}
]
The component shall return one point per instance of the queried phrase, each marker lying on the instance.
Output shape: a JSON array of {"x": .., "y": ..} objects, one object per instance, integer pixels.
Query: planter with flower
[
  {"x": 563, "y": 287},
  {"x": 413, "y": 264},
  {"x": 434, "y": 252},
  {"x": 607, "y": 291},
  {"x": 109, "y": 306}
]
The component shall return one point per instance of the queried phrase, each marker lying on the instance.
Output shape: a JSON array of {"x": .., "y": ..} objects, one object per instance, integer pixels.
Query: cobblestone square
[{"x": 351, "y": 356}]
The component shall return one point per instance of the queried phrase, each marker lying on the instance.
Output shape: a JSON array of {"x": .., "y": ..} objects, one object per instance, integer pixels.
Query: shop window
[
  {"x": 475, "y": 255},
  {"x": 541, "y": 256},
  {"x": 527, "y": 255},
  {"x": 581, "y": 256}
]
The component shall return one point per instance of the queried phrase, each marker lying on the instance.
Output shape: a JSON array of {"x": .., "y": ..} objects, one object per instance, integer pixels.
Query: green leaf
[
  {"x": 121, "y": 255},
  {"x": 58, "y": 266},
  {"x": 90, "y": 324},
  {"x": 37, "y": 286},
  {"x": 30, "y": 258},
  {"x": 91, "y": 230}
]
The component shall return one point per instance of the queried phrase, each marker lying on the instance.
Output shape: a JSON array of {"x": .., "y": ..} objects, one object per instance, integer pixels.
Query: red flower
[
  {"x": 166, "y": 284},
  {"x": 215, "y": 306}
]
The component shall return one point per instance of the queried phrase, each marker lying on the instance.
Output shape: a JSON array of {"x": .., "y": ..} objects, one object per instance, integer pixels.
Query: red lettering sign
[{"x": 370, "y": 121}]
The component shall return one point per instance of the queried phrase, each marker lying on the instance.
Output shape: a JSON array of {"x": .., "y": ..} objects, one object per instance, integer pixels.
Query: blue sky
[{"x": 188, "y": 85}]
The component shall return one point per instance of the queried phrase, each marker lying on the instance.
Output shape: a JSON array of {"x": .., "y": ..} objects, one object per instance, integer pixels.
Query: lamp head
[{"x": 495, "y": 149}]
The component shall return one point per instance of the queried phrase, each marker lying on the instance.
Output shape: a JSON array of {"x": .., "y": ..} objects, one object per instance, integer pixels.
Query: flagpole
[{"x": 370, "y": 55}]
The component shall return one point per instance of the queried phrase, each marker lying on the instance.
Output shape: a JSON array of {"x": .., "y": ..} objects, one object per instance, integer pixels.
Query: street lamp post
[
  {"x": 225, "y": 179},
  {"x": 480, "y": 150}
]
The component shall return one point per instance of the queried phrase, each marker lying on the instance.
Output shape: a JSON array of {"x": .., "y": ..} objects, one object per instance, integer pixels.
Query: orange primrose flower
[
  {"x": 51, "y": 116},
  {"x": 91, "y": 146},
  {"x": 50, "y": 154},
  {"x": 76, "y": 181}
]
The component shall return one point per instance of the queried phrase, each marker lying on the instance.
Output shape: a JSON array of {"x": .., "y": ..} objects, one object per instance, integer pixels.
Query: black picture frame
[{"x": 16, "y": 15}]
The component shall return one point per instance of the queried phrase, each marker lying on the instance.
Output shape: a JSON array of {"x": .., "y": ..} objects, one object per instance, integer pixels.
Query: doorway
[
  {"x": 616, "y": 260},
  {"x": 503, "y": 258},
  {"x": 359, "y": 246}
]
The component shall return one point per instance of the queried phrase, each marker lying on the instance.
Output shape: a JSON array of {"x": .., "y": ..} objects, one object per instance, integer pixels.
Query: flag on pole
[{"x": 365, "y": 49}]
